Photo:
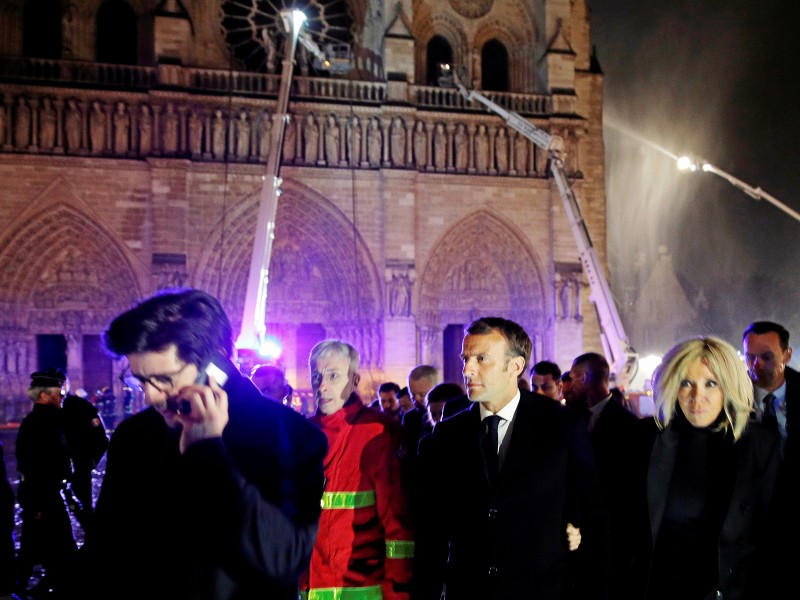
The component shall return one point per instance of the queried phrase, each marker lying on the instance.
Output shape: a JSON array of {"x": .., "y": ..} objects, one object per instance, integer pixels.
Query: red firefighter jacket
[{"x": 365, "y": 548}]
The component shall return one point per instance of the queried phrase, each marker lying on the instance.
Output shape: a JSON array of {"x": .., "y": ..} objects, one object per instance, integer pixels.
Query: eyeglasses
[{"x": 163, "y": 383}]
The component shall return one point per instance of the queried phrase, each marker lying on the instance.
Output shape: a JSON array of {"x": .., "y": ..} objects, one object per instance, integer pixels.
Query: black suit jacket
[
  {"x": 230, "y": 519},
  {"x": 506, "y": 540},
  {"x": 616, "y": 440}
]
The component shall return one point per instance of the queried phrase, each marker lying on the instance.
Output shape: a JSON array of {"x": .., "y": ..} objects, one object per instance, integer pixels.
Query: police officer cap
[{"x": 48, "y": 379}]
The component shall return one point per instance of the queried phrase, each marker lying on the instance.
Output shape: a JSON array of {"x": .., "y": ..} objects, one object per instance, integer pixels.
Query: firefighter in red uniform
[{"x": 365, "y": 548}]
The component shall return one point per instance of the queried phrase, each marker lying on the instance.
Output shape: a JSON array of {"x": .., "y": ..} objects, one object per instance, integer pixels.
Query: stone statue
[
  {"x": 354, "y": 141},
  {"x": 501, "y": 151},
  {"x": 332, "y": 140},
  {"x": 289, "y": 140},
  {"x": 170, "y": 130},
  {"x": 398, "y": 142},
  {"x": 521, "y": 154},
  {"x": 72, "y": 125},
  {"x": 420, "y": 145},
  {"x": 265, "y": 136},
  {"x": 145, "y": 130},
  {"x": 195, "y": 132},
  {"x": 218, "y": 135},
  {"x": 310, "y": 140},
  {"x": 47, "y": 125},
  {"x": 399, "y": 296},
  {"x": 97, "y": 128},
  {"x": 22, "y": 127},
  {"x": 122, "y": 124},
  {"x": 461, "y": 145},
  {"x": 439, "y": 147},
  {"x": 481, "y": 150},
  {"x": 243, "y": 135},
  {"x": 269, "y": 49},
  {"x": 374, "y": 143}
]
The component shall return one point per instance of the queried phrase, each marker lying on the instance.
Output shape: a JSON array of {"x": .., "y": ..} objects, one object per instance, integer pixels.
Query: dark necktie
[
  {"x": 768, "y": 419},
  {"x": 490, "y": 445}
]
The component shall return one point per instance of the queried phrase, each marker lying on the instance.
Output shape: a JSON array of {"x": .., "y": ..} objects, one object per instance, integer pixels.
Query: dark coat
[
  {"x": 507, "y": 540},
  {"x": 87, "y": 442},
  {"x": 230, "y": 519},
  {"x": 747, "y": 524},
  {"x": 615, "y": 441},
  {"x": 43, "y": 462}
]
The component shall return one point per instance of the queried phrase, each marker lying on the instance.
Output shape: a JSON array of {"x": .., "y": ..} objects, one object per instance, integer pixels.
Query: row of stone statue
[{"x": 119, "y": 129}]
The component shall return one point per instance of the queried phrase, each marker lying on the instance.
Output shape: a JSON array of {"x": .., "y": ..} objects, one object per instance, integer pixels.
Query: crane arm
[{"x": 621, "y": 357}]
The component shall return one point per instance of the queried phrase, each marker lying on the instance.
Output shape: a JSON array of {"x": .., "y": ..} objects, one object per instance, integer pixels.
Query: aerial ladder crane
[
  {"x": 336, "y": 58},
  {"x": 622, "y": 358}
]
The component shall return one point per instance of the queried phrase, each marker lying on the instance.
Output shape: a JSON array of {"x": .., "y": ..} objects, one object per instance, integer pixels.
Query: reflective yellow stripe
[
  {"x": 336, "y": 500},
  {"x": 344, "y": 593},
  {"x": 399, "y": 549}
]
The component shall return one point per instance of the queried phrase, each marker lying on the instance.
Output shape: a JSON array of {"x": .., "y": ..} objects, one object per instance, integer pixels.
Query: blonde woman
[{"x": 710, "y": 479}]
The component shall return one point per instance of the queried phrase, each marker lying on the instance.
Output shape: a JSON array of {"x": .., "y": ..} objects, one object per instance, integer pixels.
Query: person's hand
[
  {"x": 573, "y": 537},
  {"x": 208, "y": 414}
]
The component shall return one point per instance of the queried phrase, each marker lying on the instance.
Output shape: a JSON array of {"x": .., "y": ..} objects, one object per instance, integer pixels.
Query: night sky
[{"x": 718, "y": 78}]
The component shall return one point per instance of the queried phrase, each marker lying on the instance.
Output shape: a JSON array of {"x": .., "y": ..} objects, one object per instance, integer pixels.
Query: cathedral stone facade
[{"x": 133, "y": 141}]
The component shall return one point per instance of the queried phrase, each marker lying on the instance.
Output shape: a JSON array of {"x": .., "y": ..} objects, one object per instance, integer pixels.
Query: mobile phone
[
  {"x": 216, "y": 371},
  {"x": 215, "y": 368}
]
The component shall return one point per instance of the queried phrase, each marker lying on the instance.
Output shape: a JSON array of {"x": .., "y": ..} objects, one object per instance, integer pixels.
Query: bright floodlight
[
  {"x": 686, "y": 164},
  {"x": 298, "y": 17},
  {"x": 270, "y": 348}
]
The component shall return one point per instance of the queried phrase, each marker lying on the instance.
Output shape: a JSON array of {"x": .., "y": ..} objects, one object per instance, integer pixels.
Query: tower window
[
  {"x": 494, "y": 66},
  {"x": 116, "y": 33},
  {"x": 439, "y": 51}
]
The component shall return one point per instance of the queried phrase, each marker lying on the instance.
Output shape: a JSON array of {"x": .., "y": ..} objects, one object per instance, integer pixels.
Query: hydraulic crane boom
[
  {"x": 253, "y": 329},
  {"x": 621, "y": 357}
]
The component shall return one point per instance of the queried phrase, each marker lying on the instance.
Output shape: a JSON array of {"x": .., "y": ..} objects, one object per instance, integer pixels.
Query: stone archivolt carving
[{"x": 472, "y": 9}]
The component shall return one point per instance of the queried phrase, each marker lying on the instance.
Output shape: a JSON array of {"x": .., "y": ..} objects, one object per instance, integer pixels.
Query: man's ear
[
  {"x": 520, "y": 363},
  {"x": 356, "y": 379},
  {"x": 787, "y": 355}
]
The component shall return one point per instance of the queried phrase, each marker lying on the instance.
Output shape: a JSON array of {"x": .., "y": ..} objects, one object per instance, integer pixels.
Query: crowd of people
[{"x": 513, "y": 483}]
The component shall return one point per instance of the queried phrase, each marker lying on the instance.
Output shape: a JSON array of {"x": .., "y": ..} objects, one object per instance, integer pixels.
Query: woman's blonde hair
[{"x": 722, "y": 360}]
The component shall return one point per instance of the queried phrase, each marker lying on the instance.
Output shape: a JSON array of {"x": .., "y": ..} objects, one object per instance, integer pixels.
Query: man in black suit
[
  {"x": 776, "y": 388},
  {"x": 211, "y": 493},
  {"x": 513, "y": 471},
  {"x": 614, "y": 432}
]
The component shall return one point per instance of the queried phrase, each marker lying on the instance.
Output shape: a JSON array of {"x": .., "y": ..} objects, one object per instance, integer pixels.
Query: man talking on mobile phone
[{"x": 209, "y": 493}]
